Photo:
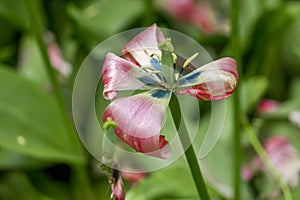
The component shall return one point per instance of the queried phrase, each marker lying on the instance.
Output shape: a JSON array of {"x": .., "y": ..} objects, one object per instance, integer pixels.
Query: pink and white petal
[
  {"x": 142, "y": 46},
  {"x": 119, "y": 74},
  {"x": 118, "y": 189},
  {"x": 213, "y": 81},
  {"x": 139, "y": 120}
]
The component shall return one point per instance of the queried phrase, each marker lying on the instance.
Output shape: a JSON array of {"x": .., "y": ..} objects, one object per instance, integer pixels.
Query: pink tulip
[{"x": 139, "y": 117}]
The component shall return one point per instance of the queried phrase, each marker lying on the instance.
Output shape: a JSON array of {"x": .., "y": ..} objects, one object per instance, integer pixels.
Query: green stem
[
  {"x": 36, "y": 27},
  {"x": 189, "y": 153},
  {"x": 237, "y": 113},
  {"x": 265, "y": 159}
]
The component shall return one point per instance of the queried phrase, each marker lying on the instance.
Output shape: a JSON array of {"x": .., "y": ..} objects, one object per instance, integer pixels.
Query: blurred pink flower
[
  {"x": 57, "y": 61},
  {"x": 133, "y": 177},
  {"x": 247, "y": 173},
  {"x": 204, "y": 17},
  {"x": 63, "y": 67},
  {"x": 284, "y": 157},
  {"x": 199, "y": 13},
  {"x": 181, "y": 9},
  {"x": 267, "y": 106},
  {"x": 139, "y": 117}
]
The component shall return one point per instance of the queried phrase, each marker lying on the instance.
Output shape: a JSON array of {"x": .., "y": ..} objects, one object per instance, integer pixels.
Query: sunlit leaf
[{"x": 31, "y": 122}]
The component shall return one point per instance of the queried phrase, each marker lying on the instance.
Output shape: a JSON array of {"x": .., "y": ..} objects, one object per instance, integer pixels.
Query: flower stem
[
  {"x": 189, "y": 153},
  {"x": 36, "y": 28},
  {"x": 237, "y": 112},
  {"x": 265, "y": 159}
]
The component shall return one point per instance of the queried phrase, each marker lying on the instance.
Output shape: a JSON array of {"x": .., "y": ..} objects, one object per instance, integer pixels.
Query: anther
[
  {"x": 156, "y": 56},
  {"x": 189, "y": 60}
]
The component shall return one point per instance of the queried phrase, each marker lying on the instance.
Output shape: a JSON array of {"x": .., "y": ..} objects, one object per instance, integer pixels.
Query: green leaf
[
  {"x": 18, "y": 186},
  {"x": 251, "y": 92},
  {"x": 294, "y": 91},
  {"x": 14, "y": 12},
  {"x": 102, "y": 19},
  {"x": 31, "y": 64},
  {"x": 31, "y": 123},
  {"x": 175, "y": 181},
  {"x": 284, "y": 109},
  {"x": 12, "y": 160}
]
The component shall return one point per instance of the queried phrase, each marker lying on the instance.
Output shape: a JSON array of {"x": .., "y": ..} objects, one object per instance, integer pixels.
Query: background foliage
[{"x": 41, "y": 158}]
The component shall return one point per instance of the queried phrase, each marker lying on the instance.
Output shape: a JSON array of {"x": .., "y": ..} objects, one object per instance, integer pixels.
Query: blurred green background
[{"x": 41, "y": 156}]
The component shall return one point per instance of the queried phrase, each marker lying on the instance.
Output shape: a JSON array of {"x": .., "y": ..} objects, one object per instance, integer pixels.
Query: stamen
[
  {"x": 157, "y": 72},
  {"x": 156, "y": 55},
  {"x": 187, "y": 63},
  {"x": 174, "y": 57},
  {"x": 174, "y": 60},
  {"x": 146, "y": 67},
  {"x": 189, "y": 60}
]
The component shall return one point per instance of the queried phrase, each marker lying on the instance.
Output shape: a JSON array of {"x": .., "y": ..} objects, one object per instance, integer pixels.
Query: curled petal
[
  {"x": 145, "y": 44},
  {"x": 139, "y": 120},
  {"x": 214, "y": 81},
  {"x": 120, "y": 74},
  {"x": 117, "y": 186}
]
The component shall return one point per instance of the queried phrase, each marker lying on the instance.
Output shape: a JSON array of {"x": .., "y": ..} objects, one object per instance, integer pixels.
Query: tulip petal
[
  {"x": 145, "y": 44},
  {"x": 119, "y": 74},
  {"x": 139, "y": 120},
  {"x": 213, "y": 81}
]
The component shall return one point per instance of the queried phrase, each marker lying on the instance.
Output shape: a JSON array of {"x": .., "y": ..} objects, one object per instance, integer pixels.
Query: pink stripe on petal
[
  {"x": 141, "y": 47},
  {"x": 216, "y": 80},
  {"x": 120, "y": 74},
  {"x": 139, "y": 120}
]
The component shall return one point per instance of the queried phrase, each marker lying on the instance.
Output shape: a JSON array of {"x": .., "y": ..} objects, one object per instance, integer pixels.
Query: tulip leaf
[
  {"x": 252, "y": 91},
  {"x": 31, "y": 65},
  {"x": 101, "y": 19},
  {"x": 31, "y": 123},
  {"x": 13, "y": 160},
  {"x": 14, "y": 11},
  {"x": 284, "y": 109},
  {"x": 173, "y": 185},
  {"x": 18, "y": 186},
  {"x": 295, "y": 88}
]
